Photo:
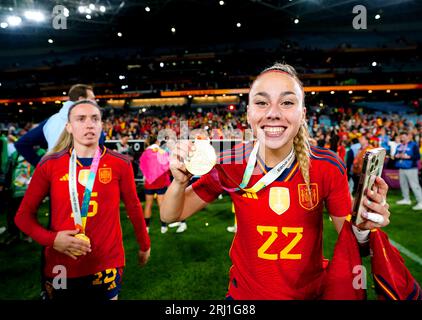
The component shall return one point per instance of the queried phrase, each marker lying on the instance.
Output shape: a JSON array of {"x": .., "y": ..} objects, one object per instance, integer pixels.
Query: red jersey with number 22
[{"x": 277, "y": 250}]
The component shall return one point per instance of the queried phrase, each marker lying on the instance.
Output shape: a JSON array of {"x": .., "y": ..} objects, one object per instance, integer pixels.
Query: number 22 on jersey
[{"x": 285, "y": 253}]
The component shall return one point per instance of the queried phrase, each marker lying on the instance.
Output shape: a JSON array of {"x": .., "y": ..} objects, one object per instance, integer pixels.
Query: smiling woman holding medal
[
  {"x": 279, "y": 186},
  {"x": 83, "y": 243}
]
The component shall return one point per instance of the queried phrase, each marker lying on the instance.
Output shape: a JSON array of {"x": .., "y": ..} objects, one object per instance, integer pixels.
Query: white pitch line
[{"x": 407, "y": 252}]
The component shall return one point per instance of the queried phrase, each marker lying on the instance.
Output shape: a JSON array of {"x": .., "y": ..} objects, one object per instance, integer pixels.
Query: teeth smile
[{"x": 274, "y": 129}]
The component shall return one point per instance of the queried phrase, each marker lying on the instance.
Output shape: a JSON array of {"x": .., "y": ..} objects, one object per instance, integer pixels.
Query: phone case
[{"x": 373, "y": 164}]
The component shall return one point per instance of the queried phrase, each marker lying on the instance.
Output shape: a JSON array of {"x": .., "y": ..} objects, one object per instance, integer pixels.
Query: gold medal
[
  {"x": 203, "y": 158},
  {"x": 82, "y": 237}
]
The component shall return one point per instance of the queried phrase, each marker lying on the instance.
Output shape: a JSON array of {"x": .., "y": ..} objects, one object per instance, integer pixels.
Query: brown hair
[{"x": 79, "y": 90}]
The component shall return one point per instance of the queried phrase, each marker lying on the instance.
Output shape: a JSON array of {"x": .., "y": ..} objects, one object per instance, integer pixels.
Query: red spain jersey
[
  {"x": 114, "y": 180},
  {"x": 277, "y": 250}
]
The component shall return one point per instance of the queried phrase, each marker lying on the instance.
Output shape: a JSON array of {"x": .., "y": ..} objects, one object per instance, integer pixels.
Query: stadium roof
[{"x": 118, "y": 23}]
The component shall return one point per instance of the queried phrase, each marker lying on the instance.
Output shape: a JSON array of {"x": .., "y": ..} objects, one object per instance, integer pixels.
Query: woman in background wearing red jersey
[{"x": 83, "y": 248}]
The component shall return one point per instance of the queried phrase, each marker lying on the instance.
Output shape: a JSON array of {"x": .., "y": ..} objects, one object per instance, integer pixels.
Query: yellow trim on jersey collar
[
  {"x": 79, "y": 163},
  {"x": 292, "y": 172}
]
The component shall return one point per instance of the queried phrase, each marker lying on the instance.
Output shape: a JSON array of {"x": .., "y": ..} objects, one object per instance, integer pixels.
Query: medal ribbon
[
  {"x": 78, "y": 213},
  {"x": 268, "y": 178}
]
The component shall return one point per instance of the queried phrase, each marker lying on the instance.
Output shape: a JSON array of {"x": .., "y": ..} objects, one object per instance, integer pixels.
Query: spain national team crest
[
  {"x": 104, "y": 175},
  {"x": 308, "y": 202},
  {"x": 279, "y": 199}
]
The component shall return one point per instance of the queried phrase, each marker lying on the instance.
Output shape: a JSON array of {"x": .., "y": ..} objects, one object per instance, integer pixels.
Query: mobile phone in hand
[{"x": 373, "y": 164}]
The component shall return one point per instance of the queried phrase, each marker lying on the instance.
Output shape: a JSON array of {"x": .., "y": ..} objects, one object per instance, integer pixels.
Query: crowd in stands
[
  {"x": 220, "y": 124},
  {"x": 334, "y": 131}
]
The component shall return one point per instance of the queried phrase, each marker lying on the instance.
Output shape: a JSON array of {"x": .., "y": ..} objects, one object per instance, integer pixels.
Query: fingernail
[{"x": 369, "y": 202}]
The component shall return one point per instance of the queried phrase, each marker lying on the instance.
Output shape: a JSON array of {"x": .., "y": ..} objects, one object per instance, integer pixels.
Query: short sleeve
[
  {"x": 338, "y": 202},
  {"x": 208, "y": 187}
]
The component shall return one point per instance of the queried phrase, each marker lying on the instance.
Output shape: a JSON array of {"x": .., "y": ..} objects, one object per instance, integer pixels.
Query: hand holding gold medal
[
  {"x": 83, "y": 237},
  {"x": 203, "y": 159},
  {"x": 191, "y": 158},
  {"x": 72, "y": 243}
]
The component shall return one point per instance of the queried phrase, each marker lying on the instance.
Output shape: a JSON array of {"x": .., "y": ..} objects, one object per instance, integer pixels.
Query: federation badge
[
  {"x": 307, "y": 201},
  {"x": 104, "y": 175},
  {"x": 279, "y": 199}
]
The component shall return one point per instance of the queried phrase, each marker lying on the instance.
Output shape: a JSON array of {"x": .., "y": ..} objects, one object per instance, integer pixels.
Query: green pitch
[{"x": 190, "y": 265}]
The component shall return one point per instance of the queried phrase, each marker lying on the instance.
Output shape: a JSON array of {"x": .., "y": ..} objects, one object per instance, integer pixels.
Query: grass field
[{"x": 190, "y": 265}]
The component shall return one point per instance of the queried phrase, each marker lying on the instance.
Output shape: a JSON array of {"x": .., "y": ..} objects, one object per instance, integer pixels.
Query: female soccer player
[
  {"x": 279, "y": 186},
  {"x": 83, "y": 254}
]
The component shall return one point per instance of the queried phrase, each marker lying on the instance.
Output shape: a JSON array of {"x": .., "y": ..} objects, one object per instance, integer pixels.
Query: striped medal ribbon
[
  {"x": 268, "y": 178},
  {"x": 80, "y": 213}
]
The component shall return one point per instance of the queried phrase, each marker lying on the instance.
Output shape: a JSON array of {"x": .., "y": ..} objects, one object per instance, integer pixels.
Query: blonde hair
[
  {"x": 65, "y": 142},
  {"x": 302, "y": 149},
  {"x": 301, "y": 143}
]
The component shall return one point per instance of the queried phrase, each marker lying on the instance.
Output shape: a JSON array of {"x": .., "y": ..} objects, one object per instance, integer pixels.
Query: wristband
[{"x": 361, "y": 235}]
